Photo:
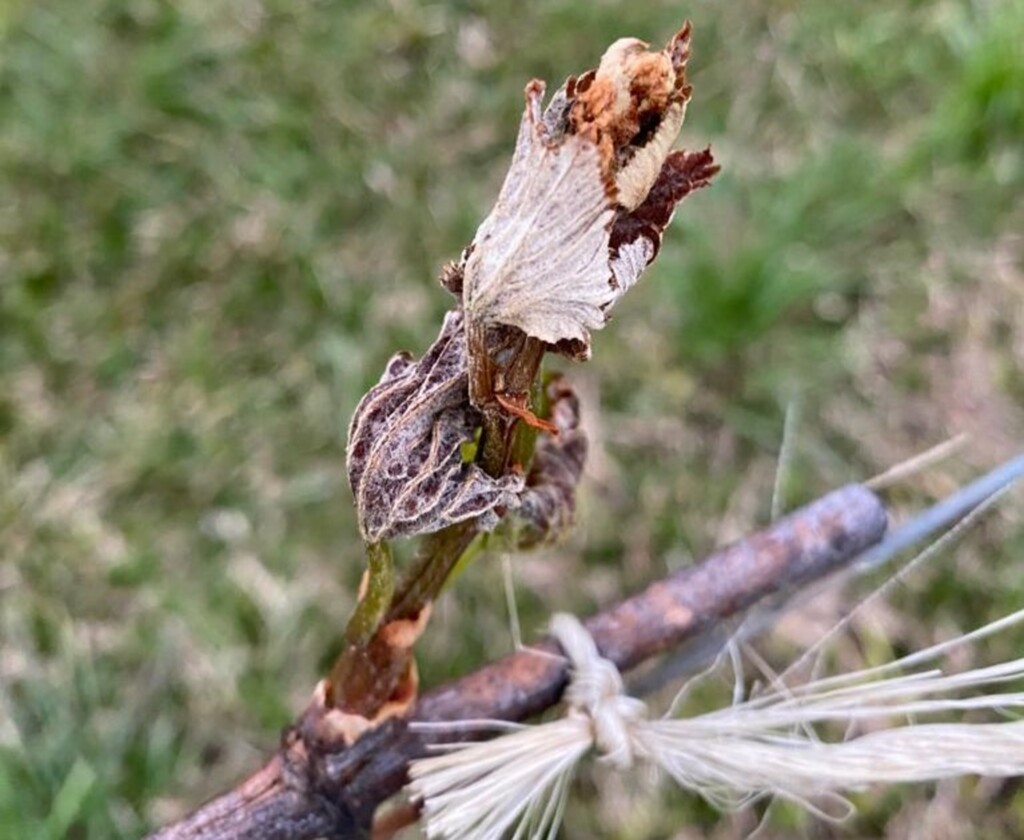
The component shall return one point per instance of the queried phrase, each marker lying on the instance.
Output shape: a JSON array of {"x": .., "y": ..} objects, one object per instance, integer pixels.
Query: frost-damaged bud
[
  {"x": 548, "y": 504},
  {"x": 404, "y": 455},
  {"x": 561, "y": 244}
]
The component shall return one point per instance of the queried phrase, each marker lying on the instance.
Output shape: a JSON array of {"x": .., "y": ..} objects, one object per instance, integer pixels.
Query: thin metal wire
[{"x": 941, "y": 515}]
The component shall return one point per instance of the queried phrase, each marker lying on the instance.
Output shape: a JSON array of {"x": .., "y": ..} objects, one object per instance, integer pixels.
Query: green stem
[
  {"x": 352, "y": 681},
  {"x": 438, "y": 554},
  {"x": 380, "y": 587}
]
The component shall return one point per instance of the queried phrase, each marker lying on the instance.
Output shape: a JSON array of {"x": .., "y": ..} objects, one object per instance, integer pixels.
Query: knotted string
[
  {"x": 516, "y": 785},
  {"x": 596, "y": 691}
]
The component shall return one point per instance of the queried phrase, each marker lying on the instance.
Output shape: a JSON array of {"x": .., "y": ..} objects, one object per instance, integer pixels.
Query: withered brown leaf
[
  {"x": 636, "y": 234},
  {"x": 544, "y": 261},
  {"x": 539, "y": 261},
  {"x": 404, "y": 457}
]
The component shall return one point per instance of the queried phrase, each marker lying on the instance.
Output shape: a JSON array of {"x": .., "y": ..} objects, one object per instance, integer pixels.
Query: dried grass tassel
[{"x": 764, "y": 746}]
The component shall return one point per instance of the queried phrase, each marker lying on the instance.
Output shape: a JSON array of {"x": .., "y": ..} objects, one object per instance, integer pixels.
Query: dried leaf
[
  {"x": 405, "y": 442},
  {"x": 636, "y": 235},
  {"x": 544, "y": 261},
  {"x": 634, "y": 105},
  {"x": 540, "y": 260}
]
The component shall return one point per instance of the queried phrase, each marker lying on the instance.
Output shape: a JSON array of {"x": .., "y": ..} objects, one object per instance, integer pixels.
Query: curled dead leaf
[
  {"x": 404, "y": 454},
  {"x": 550, "y": 259}
]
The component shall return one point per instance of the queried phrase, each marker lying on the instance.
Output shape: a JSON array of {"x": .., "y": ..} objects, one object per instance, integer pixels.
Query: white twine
[
  {"x": 516, "y": 785},
  {"x": 596, "y": 692}
]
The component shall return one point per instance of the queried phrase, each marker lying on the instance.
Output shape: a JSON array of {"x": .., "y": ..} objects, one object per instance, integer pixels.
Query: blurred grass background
[{"x": 220, "y": 219}]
